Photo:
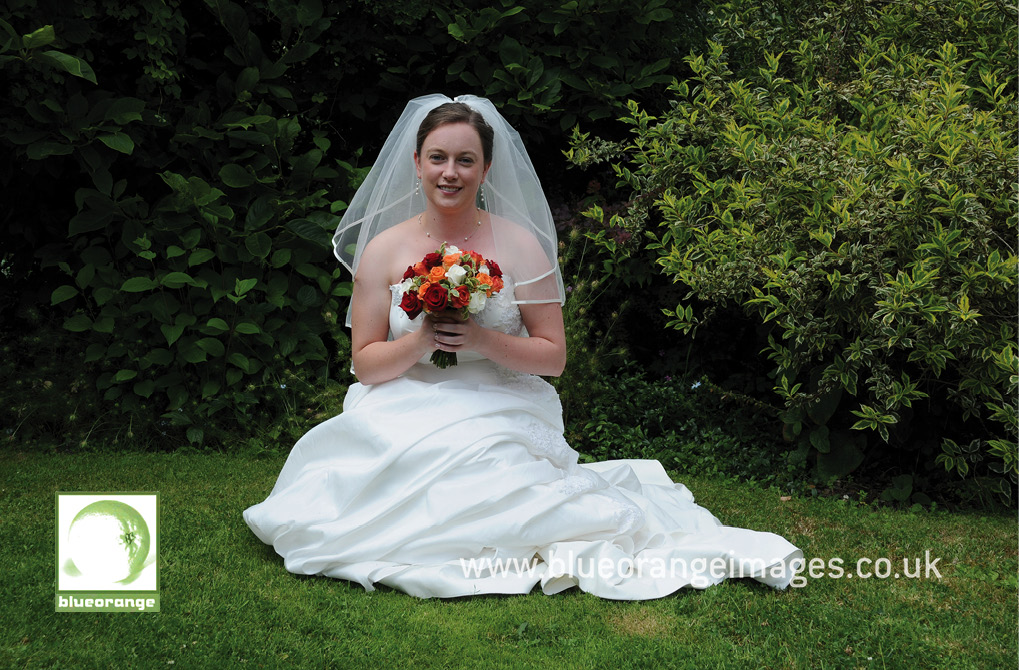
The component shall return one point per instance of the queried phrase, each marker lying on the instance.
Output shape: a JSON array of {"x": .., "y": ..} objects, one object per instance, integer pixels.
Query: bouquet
[{"x": 449, "y": 280}]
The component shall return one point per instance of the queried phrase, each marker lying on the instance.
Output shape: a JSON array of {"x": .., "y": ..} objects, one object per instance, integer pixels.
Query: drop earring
[
  {"x": 417, "y": 187},
  {"x": 481, "y": 196}
]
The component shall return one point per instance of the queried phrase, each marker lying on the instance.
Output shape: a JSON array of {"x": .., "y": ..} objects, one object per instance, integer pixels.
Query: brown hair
[{"x": 458, "y": 112}]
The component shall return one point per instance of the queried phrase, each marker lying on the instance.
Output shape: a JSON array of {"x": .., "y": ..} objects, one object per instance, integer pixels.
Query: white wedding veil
[{"x": 522, "y": 226}]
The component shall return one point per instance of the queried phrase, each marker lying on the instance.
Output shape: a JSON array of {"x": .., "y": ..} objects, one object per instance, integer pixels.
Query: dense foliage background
[
  {"x": 821, "y": 196},
  {"x": 842, "y": 183},
  {"x": 179, "y": 169}
]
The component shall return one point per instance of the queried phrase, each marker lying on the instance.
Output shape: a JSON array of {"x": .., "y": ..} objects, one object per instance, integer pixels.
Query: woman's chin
[{"x": 446, "y": 201}]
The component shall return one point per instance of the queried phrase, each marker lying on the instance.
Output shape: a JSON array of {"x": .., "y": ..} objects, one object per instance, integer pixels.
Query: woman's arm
[
  {"x": 543, "y": 352},
  {"x": 376, "y": 359}
]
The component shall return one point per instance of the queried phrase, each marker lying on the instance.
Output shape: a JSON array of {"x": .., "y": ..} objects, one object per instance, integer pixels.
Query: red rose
[
  {"x": 409, "y": 274},
  {"x": 493, "y": 268},
  {"x": 411, "y": 305},
  {"x": 432, "y": 260},
  {"x": 461, "y": 297},
  {"x": 434, "y": 296}
]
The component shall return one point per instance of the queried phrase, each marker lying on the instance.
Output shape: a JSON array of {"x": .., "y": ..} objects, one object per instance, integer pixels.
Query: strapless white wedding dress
[{"x": 455, "y": 482}]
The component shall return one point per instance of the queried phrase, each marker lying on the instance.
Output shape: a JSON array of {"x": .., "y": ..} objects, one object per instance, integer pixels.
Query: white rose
[
  {"x": 477, "y": 302},
  {"x": 456, "y": 274},
  {"x": 406, "y": 285},
  {"x": 450, "y": 249}
]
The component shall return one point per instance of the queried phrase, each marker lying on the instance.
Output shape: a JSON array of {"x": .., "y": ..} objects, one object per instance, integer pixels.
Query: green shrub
[
  {"x": 683, "y": 424},
  {"x": 544, "y": 57},
  {"x": 46, "y": 390},
  {"x": 193, "y": 267},
  {"x": 175, "y": 169},
  {"x": 866, "y": 223},
  {"x": 545, "y": 65},
  {"x": 592, "y": 317}
]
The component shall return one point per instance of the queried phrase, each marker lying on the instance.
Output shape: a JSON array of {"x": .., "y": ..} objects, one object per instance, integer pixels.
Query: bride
[{"x": 457, "y": 481}]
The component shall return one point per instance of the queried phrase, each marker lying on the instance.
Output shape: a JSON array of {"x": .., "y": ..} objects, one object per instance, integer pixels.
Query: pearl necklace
[{"x": 429, "y": 235}]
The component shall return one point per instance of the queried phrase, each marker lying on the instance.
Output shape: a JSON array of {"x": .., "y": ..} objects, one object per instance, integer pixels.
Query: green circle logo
[{"x": 108, "y": 540}]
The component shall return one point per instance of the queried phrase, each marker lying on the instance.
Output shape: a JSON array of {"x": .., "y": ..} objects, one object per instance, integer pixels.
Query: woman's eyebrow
[{"x": 465, "y": 152}]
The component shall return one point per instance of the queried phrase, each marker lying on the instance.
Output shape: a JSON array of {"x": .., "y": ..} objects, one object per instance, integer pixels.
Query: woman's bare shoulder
[
  {"x": 518, "y": 239},
  {"x": 514, "y": 232},
  {"x": 387, "y": 243}
]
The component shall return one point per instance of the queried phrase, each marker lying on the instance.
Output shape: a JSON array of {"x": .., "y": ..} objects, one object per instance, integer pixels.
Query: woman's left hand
[
  {"x": 541, "y": 352},
  {"x": 451, "y": 333}
]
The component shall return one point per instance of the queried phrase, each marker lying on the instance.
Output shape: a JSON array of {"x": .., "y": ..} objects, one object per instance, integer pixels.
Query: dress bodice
[{"x": 500, "y": 313}]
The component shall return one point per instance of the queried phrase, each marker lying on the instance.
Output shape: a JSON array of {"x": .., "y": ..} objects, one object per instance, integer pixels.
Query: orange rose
[
  {"x": 497, "y": 284},
  {"x": 460, "y": 297},
  {"x": 486, "y": 283},
  {"x": 437, "y": 273},
  {"x": 450, "y": 260},
  {"x": 420, "y": 269}
]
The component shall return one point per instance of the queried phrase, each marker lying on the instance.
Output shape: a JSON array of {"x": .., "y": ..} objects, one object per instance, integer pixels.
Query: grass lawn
[{"x": 228, "y": 602}]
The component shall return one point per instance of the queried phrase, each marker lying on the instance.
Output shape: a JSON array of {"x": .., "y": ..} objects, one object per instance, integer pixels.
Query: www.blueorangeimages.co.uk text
[{"x": 704, "y": 571}]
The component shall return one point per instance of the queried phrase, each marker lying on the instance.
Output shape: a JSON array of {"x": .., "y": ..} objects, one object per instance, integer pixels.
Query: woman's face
[{"x": 451, "y": 166}]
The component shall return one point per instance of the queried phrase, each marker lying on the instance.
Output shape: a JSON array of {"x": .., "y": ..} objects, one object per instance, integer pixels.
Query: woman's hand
[
  {"x": 542, "y": 352},
  {"x": 450, "y": 333}
]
